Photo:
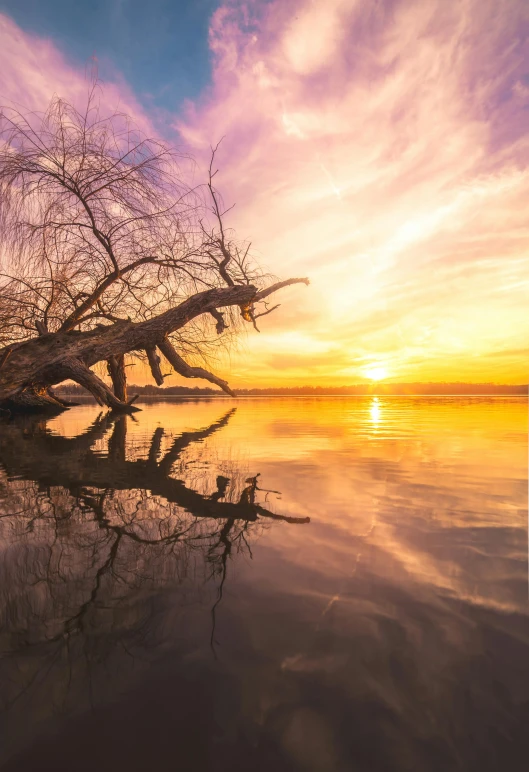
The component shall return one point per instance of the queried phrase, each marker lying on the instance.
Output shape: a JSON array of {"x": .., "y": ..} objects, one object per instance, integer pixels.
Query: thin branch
[{"x": 277, "y": 286}]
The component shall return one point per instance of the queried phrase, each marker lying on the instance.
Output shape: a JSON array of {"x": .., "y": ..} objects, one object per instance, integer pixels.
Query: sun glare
[
  {"x": 375, "y": 411},
  {"x": 376, "y": 373}
]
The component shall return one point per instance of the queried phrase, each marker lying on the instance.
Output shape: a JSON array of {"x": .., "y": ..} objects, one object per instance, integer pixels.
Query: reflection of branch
[
  {"x": 222, "y": 487},
  {"x": 156, "y": 445},
  {"x": 187, "y": 438},
  {"x": 227, "y": 544},
  {"x": 247, "y": 498},
  {"x": 72, "y": 465},
  {"x": 30, "y": 451},
  {"x": 117, "y": 443},
  {"x": 75, "y": 623}
]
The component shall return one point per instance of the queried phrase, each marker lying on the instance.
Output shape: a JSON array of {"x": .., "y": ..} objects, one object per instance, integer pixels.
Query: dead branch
[
  {"x": 98, "y": 223},
  {"x": 182, "y": 368}
]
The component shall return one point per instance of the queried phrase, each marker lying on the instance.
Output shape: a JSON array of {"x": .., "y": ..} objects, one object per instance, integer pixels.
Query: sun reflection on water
[
  {"x": 375, "y": 411},
  {"x": 412, "y": 516}
]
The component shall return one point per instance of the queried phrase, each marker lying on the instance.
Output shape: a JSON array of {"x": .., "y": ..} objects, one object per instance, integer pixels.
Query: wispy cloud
[
  {"x": 33, "y": 70},
  {"x": 380, "y": 148}
]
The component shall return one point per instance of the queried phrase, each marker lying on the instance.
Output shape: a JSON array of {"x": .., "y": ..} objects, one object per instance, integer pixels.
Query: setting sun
[
  {"x": 376, "y": 373},
  {"x": 264, "y": 395}
]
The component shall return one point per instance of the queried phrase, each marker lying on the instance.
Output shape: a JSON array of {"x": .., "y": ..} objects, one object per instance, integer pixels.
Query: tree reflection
[{"x": 92, "y": 537}]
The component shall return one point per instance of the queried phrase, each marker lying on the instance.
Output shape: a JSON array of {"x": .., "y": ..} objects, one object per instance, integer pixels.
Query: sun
[{"x": 376, "y": 373}]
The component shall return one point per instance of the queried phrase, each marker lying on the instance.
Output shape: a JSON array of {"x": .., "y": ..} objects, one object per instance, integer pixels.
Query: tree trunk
[
  {"x": 34, "y": 399},
  {"x": 116, "y": 370},
  {"x": 30, "y": 368}
]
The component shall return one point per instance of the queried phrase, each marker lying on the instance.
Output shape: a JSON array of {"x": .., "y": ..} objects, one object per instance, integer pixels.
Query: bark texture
[{"x": 28, "y": 369}]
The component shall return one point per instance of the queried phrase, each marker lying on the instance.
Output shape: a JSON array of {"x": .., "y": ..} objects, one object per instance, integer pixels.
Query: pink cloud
[
  {"x": 33, "y": 70},
  {"x": 383, "y": 150},
  {"x": 380, "y": 148}
]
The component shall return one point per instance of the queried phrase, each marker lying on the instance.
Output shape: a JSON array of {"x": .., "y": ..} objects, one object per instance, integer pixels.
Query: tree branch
[
  {"x": 182, "y": 368},
  {"x": 77, "y": 371},
  {"x": 279, "y": 285},
  {"x": 48, "y": 359},
  {"x": 154, "y": 364},
  {"x": 219, "y": 319}
]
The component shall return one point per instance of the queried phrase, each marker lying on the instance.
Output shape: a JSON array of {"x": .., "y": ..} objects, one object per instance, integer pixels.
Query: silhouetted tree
[{"x": 108, "y": 252}]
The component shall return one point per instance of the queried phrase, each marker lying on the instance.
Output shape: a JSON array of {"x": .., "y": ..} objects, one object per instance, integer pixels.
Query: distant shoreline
[
  {"x": 378, "y": 390},
  {"x": 84, "y": 398},
  {"x": 221, "y": 395}
]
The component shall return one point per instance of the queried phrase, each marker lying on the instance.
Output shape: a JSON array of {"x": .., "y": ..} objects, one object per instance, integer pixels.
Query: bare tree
[{"x": 108, "y": 252}]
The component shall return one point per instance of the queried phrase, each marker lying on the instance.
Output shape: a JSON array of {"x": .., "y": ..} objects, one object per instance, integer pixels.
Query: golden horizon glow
[
  {"x": 376, "y": 373},
  {"x": 381, "y": 177}
]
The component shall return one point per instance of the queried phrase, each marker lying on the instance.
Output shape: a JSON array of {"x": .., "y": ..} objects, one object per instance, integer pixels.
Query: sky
[{"x": 380, "y": 148}]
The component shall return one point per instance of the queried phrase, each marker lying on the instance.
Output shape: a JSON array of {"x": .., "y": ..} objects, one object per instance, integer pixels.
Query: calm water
[{"x": 286, "y": 584}]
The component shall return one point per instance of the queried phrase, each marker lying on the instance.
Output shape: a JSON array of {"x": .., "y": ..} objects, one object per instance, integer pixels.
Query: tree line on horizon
[{"x": 390, "y": 389}]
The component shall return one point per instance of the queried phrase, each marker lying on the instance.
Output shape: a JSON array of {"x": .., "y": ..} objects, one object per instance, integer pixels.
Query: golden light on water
[{"x": 374, "y": 410}]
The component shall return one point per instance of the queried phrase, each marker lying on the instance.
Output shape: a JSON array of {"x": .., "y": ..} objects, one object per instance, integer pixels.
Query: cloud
[
  {"x": 381, "y": 149},
  {"x": 33, "y": 70},
  {"x": 314, "y": 34}
]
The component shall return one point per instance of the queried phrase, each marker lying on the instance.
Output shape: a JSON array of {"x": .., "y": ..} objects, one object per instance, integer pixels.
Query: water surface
[{"x": 266, "y": 584}]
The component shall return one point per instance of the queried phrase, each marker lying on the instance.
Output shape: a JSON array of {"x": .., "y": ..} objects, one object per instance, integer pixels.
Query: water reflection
[
  {"x": 375, "y": 411},
  {"x": 156, "y": 592},
  {"x": 89, "y": 534}
]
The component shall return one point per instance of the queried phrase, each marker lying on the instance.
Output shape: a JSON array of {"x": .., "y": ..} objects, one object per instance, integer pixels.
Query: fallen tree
[
  {"x": 108, "y": 254},
  {"x": 29, "y": 369}
]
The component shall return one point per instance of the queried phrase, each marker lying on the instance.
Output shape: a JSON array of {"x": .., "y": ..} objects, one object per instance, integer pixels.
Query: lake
[{"x": 266, "y": 584}]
